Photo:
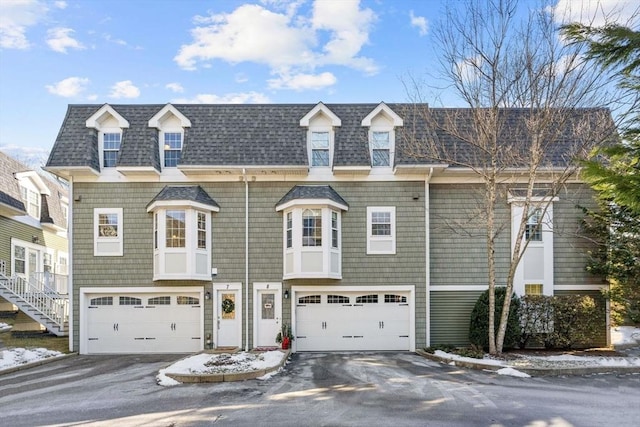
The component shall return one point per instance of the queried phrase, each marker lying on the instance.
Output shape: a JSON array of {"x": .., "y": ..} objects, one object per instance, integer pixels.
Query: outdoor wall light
[
  {"x": 35, "y": 239},
  {"x": 207, "y": 295},
  {"x": 286, "y": 294}
]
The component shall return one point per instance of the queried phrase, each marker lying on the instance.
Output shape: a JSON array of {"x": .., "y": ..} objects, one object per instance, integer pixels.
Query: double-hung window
[
  {"x": 533, "y": 228},
  {"x": 107, "y": 232},
  {"x": 320, "y": 149},
  {"x": 380, "y": 149},
  {"x": 110, "y": 148},
  {"x": 172, "y": 148},
  {"x": 312, "y": 227},
  {"x": 31, "y": 200},
  {"x": 381, "y": 230}
]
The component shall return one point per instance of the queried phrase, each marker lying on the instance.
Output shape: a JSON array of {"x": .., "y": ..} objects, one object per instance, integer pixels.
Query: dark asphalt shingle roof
[
  {"x": 50, "y": 206},
  {"x": 271, "y": 135},
  {"x": 307, "y": 192},
  {"x": 193, "y": 193}
]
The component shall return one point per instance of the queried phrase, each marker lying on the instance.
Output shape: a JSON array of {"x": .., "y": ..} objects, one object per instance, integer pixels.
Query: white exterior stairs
[{"x": 42, "y": 303}]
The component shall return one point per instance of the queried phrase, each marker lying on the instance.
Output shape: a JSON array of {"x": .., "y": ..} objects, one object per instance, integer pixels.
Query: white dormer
[
  {"x": 170, "y": 123},
  {"x": 382, "y": 122},
  {"x": 320, "y": 122},
  {"x": 32, "y": 187},
  {"x": 109, "y": 124}
]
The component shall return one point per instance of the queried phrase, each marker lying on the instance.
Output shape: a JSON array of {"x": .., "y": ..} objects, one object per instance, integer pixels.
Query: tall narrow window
[
  {"x": 172, "y": 148},
  {"x": 533, "y": 230},
  {"x": 202, "y": 230},
  {"x": 31, "y": 200},
  {"x": 312, "y": 227},
  {"x": 334, "y": 229},
  {"x": 155, "y": 230},
  {"x": 47, "y": 261},
  {"x": 19, "y": 260},
  {"x": 175, "y": 229},
  {"x": 289, "y": 230},
  {"x": 380, "y": 149},
  {"x": 320, "y": 149},
  {"x": 110, "y": 149}
]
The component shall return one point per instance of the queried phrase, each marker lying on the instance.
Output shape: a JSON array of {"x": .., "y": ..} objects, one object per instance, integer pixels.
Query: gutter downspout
[
  {"x": 72, "y": 199},
  {"x": 427, "y": 237},
  {"x": 246, "y": 258}
]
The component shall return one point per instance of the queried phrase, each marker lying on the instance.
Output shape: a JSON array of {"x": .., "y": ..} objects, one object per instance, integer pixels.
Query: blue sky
[{"x": 54, "y": 53}]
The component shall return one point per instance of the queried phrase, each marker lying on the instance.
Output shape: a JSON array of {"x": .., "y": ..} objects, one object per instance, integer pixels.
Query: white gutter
[
  {"x": 246, "y": 258},
  {"x": 427, "y": 237}
]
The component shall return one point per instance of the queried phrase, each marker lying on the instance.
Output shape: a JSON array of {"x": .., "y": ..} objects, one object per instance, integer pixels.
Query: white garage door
[
  {"x": 143, "y": 323},
  {"x": 344, "y": 321}
]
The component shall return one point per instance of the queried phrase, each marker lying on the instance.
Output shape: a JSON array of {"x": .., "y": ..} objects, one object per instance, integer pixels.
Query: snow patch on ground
[
  {"x": 455, "y": 357},
  {"x": 4, "y": 327},
  {"x": 512, "y": 373},
  {"x": 221, "y": 364},
  {"x": 22, "y": 356},
  {"x": 625, "y": 335}
]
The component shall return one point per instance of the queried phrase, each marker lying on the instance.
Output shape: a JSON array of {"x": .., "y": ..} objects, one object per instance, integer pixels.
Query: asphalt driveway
[{"x": 368, "y": 389}]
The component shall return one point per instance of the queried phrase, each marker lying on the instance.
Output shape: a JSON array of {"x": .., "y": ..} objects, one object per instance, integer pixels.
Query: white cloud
[
  {"x": 287, "y": 42},
  {"x": 69, "y": 87},
  {"x": 596, "y": 12},
  {"x": 16, "y": 16},
  {"x": 303, "y": 81},
  {"x": 230, "y": 98},
  {"x": 349, "y": 28},
  {"x": 60, "y": 4},
  {"x": 59, "y": 39},
  {"x": 250, "y": 33},
  {"x": 175, "y": 87},
  {"x": 420, "y": 22},
  {"x": 124, "y": 89}
]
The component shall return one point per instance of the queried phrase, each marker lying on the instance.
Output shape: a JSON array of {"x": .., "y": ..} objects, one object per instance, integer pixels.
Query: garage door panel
[
  {"x": 346, "y": 321},
  {"x": 129, "y": 327}
]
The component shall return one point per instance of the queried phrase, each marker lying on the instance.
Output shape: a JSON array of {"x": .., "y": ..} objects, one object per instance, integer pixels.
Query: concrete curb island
[
  {"x": 534, "y": 372},
  {"x": 36, "y": 363},
  {"x": 228, "y": 377}
]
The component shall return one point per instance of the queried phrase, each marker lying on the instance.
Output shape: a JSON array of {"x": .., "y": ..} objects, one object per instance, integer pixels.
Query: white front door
[
  {"x": 267, "y": 313},
  {"x": 229, "y": 319}
]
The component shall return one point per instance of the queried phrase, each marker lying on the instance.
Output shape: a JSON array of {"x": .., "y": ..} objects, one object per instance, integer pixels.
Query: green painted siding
[
  {"x": 12, "y": 229},
  {"x": 450, "y": 314},
  {"x": 135, "y": 268}
]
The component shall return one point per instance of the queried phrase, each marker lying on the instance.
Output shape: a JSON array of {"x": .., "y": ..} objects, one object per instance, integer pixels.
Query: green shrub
[
  {"x": 479, "y": 324},
  {"x": 561, "y": 321}
]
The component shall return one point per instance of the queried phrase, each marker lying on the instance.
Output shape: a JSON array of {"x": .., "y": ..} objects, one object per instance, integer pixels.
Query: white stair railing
[{"x": 53, "y": 306}]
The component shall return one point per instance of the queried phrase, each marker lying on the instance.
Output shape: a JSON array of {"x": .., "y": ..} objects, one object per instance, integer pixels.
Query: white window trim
[
  {"x": 161, "y": 144},
  {"x": 190, "y": 249},
  {"x": 101, "y": 144},
  {"x": 317, "y": 129},
  {"x": 98, "y": 239},
  {"x": 371, "y": 238},
  {"x": 392, "y": 144},
  {"x": 546, "y": 244},
  {"x": 298, "y": 248},
  {"x": 29, "y": 246}
]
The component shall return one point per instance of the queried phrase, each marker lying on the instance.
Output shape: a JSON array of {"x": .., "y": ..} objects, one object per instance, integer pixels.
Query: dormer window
[
  {"x": 31, "y": 199},
  {"x": 172, "y": 148},
  {"x": 320, "y": 149},
  {"x": 110, "y": 126},
  {"x": 320, "y": 122},
  {"x": 171, "y": 125},
  {"x": 110, "y": 148},
  {"x": 382, "y": 122},
  {"x": 380, "y": 149}
]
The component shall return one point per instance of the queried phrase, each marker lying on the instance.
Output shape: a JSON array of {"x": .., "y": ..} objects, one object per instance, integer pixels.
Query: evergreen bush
[{"x": 479, "y": 324}]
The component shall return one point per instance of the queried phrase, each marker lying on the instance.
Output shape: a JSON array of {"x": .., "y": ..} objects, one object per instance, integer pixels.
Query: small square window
[{"x": 108, "y": 236}]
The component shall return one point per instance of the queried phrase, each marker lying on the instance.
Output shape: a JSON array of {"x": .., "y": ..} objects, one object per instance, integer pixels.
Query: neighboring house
[
  {"x": 34, "y": 254},
  {"x": 207, "y": 226}
]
